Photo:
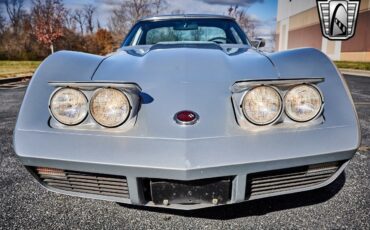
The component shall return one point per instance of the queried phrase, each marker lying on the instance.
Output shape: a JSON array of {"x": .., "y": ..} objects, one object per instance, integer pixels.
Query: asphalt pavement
[{"x": 345, "y": 203}]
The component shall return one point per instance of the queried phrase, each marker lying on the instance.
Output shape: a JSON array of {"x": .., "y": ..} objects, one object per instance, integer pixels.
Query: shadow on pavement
[{"x": 257, "y": 207}]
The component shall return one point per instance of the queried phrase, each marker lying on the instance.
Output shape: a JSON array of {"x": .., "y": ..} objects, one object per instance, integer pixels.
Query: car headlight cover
[
  {"x": 303, "y": 103},
  {"x": 68, "y": 106},
  {"x": 109, "y": 107},
  {"x": 262, "y": 105}
]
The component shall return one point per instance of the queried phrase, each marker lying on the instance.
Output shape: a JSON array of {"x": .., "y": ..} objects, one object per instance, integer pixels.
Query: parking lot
[{"x": 345, "y": 203}]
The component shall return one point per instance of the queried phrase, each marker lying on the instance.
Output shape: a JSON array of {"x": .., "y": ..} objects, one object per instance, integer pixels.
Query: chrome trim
[
  {"x": 129, "y": 86},
  {"x": 185, "y": 16},
  {"x": 243, "y": 85},
  {"x": 132, "y": 92},
  {"x": 240, "y": 88}
]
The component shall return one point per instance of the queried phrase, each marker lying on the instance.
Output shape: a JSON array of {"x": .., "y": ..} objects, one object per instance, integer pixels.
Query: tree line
[{"x": 48, "y": 25}]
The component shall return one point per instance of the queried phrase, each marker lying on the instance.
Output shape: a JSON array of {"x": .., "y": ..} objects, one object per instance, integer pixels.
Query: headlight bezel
[
  {"x": 58, "y": 90},
  {"x": 93, "y": 95},
  {"x": 278, "y": 115},
  {"x": 240, "y": 88},
  {"x": 132, "y": 91},
  {"x": 318, "y": 113}
]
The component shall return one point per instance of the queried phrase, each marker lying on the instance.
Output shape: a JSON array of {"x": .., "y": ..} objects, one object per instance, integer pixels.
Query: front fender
[
  {"x": 61, "y": 66},
  {"x": 312, "y": 63}
]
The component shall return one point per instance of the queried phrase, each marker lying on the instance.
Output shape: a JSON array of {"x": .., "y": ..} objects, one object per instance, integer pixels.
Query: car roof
[{"x": 185, "y": 16}]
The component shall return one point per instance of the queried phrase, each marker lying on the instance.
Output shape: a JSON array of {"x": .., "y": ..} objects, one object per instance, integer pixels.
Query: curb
[
  {"x": 19, "y": 77},
  {"x": 355, "y": 72}
]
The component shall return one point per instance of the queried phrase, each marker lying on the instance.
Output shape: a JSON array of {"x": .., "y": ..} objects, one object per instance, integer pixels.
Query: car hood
[
  {"x": 186, "y": 78},
  {"x": 185, "y": 64}
]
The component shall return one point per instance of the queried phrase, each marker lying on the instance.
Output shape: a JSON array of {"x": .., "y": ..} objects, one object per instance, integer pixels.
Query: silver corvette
[{"x": 187, "y": 114}]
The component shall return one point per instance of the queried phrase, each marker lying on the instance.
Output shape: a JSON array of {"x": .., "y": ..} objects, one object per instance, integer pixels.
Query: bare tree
[
  {"x": 138, "y": 9},
  {"x": 70, "y": 22},
  {"x": 247, "y": 24},
  {"x": 244, "y": 20},
  {"x": 15, "y": 11},
  {"x": 129, "y": 12},
  {"x": 232, "y": 10},
  {"x": 159, "y": 6},
  {"x": 48, "y": 21},
  {"x": 2, "y": 22},
  {"x": 98, "y": 26},
  {"x": 119, "y": 21},
  {"x": 79, "y": 17},
  {"x": 89, "y": 11}
]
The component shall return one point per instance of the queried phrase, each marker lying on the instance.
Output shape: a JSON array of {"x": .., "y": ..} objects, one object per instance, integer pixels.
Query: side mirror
[{"x": 258, "y": 43}]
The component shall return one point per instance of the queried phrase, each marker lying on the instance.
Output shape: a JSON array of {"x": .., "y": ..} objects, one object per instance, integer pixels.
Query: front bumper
[
  {"x": 188, "y": 195},
  {"x": 137, "y": 159}
]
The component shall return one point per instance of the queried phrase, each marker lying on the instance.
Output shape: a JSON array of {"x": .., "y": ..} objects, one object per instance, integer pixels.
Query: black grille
[
  {"x": 289, "y": 179},
  {"x": 92, "y": 183}
]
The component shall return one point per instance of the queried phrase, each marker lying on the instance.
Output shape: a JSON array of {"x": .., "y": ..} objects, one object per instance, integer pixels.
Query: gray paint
[{"x": 187, "y": 78}]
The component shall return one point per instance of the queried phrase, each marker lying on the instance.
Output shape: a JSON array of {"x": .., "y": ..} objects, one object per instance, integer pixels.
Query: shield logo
[{"x": 338, "y": 18}]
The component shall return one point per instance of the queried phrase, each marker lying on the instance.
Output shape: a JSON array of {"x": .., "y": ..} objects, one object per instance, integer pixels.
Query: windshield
[{"x": 219, "y": 31}]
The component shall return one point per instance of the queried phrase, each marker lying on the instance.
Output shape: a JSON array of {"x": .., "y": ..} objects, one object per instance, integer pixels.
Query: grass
[
  {"x": 14, "y": 68},
  {"x": 353, "y": 65}
]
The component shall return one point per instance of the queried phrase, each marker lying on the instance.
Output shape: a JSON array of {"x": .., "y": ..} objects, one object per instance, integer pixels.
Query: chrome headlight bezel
[
  {"x": 131, "y": 90},
  {"x": 94, "y": 117},
  {"x": 319, "y": 110},
  {"x": 240, "y": 88},
  {"x": 53, "y": 114},
  {"x": 278, "y": 114}
]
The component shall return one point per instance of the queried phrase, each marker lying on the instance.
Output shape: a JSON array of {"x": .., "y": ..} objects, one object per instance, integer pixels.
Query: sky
[{"x": 263, "y": 11}]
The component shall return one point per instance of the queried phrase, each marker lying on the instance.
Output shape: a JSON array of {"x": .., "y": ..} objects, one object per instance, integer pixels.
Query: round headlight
[
  {"x": 262, "y": 105},
  {"x": 109, "y": 107},
  {"x": 303, "y": 103},
  {"x": 68, "y": 106}
]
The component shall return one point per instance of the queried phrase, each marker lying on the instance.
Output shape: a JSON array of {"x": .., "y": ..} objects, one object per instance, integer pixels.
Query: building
[{"x": 298, "y": 25}]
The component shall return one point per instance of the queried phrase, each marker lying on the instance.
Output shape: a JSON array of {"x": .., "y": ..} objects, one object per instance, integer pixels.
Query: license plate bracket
[{"x": 214, "y": 191}]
